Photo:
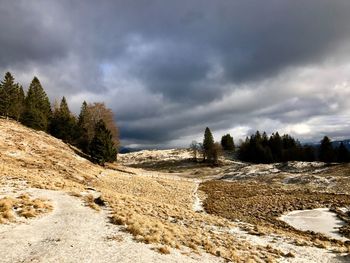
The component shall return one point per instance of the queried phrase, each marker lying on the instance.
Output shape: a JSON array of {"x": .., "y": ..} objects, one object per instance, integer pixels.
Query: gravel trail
[{"x": 73, "y": 232}]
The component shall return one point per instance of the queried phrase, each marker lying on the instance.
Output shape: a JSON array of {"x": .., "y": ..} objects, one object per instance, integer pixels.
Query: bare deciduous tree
[
  {"x": 194, "y": 147},
  {"x": 216, "y": 153},
  {"x": 98, "y": 111}
]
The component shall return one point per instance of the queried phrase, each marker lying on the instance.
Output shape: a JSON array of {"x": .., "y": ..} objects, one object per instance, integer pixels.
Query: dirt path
[
  {"x": 76, "y": 233},
  {"x": 197, "y": 202}
]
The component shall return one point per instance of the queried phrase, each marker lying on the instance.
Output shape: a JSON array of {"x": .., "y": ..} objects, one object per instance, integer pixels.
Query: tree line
[
  {"x": 261, "y": 148},
  {"x": 93, "y": 131}
]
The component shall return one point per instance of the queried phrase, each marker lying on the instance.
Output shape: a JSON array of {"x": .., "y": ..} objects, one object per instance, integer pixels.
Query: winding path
[{"x": 75, "y": 233}]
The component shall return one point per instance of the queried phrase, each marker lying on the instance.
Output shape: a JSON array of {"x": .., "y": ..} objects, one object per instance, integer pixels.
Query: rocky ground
[{"x": 160, "y": 204}]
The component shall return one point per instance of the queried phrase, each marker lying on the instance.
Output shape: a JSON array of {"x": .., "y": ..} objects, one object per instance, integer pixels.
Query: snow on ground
[
  {"x": 301, "y": 253},
  {"x": 306, "y": 179},
  {"x": 319, "y": 220},
  {"x": 289, "y": 173},
  {"x": 303, "y": 165},
  {"x": 197, "y": 202},
  {"x": 154, "y": 155}
]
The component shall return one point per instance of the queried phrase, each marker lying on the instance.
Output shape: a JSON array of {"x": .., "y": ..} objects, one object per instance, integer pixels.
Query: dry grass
[
  {"x": 261, "y": 204},
  {"x": 163, "y": 250},
  {"x": 155, "y": 222},
  {"x": 22, "y": 206},
  {"x": 90, "y": 202},
  {"x": 6, "y": 210},
  {"x": 154, "y": 210},
  {"x": 118, "y": 238}
]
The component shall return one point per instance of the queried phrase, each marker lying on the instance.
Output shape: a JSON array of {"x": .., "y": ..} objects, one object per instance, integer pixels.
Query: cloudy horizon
[{"x": 168, "y": 69}]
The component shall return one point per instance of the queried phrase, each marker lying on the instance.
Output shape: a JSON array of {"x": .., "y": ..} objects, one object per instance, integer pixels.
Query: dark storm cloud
[
  {"x": 273, "y": 36},
  {"x": 27, "y": 36},
  {"x": 170, "y": 68}
]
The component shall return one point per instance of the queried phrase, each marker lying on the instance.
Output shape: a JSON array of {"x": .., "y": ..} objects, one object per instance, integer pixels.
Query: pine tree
[
  {"x": 343, "y": 155},
  {"x": 8, "y": 94},
  {"x": 308, "y": 153},
  {"x": 264, "y": 139},
  {"x": 64, "y": 109},
  {"x": 37, "y": 110},
  {"x": 18, "y": 103},
  {"x": 82, "y": 140},
  {"x": 208, "y": 144},
  {"x": 326, "y": 152},
  {"x": 102, "y": 148},
  {"x": 82, "y": 119},
  {"x": 227, "y": 143},
  {"x": 275, "y": 144},
  {"x": 63, "y": 123}
]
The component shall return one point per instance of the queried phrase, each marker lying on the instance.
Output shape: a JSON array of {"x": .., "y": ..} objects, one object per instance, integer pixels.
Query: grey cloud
[
  {"x": 170, "y": 68},
  {"x": 27, "y": 36}
]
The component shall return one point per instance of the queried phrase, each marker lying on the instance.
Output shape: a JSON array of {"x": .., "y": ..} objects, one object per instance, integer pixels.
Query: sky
[{"x": 168, "y": 69}]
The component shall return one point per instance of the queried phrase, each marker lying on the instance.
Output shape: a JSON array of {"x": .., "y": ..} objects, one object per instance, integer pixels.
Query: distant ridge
[
  {"x": 345, "y": 142},
  {"x": 129, "y": 150},
  {"x": 335, "y": 144}
]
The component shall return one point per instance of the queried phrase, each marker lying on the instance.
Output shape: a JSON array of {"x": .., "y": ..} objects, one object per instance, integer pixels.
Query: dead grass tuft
[
  {"x": 6, "y": 204},
  {"x": 27, "y": 212},
  {"x": 22, "y": 206},
  {"x": 163, "y": 250},
  {"x": 289, "y": 255},
  {"x": 75, "y": 194},
  {"x": 90, "y": 202}
]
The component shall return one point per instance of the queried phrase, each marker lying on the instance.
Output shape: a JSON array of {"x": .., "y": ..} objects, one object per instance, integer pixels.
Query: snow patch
[
  {"x": 319, "y": 220},
  {"x": 197, "y": 204}
]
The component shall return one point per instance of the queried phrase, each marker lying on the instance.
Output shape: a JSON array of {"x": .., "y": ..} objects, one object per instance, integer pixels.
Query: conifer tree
[
  {"x": 63, "y": 123},
  {"x": 37, "y": 110},
  {"x": 275, "y": 144},
  {"x": 208, "y": 144},
  {"x": 82, "y": 140},
  {"x": 227, "y": 143},
  {"x": 82, "y": 119},
  {"x": 8, "y": 94},
  {"x": 326, "y": 152},
  {"x": 102, "y": 148},
  {"x": 18, "y": 103},
  {"x": 309, "y": 153},
  {"x": 64, "y": 109},
  {"x": 343, "y": 155}
]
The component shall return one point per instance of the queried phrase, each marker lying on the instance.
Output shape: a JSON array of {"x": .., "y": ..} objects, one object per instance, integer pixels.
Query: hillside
[{"x": 76, "y": 210}]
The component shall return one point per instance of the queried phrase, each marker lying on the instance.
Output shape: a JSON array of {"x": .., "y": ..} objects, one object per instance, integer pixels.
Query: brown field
[{"x": 261, "y": 204}]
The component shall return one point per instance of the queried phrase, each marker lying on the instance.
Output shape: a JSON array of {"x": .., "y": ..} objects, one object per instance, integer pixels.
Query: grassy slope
[{"x": 155, "y": 209}]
